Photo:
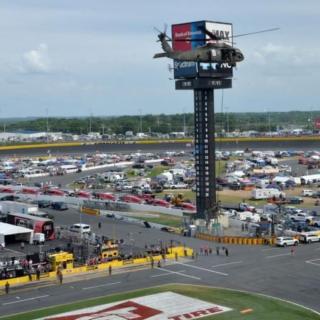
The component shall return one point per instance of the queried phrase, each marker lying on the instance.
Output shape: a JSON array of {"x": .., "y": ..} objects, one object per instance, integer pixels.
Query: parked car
[
  {"x": 158, "y": 189},
  {"x": 44, "y": 204},
  {"x": 59, "y": 206},
  {"x": 131, "y": 199},
  {"x": 316, "y": 223},
  {"x": 308, "y": 237},
  {"x": 286, "y": 241},
  {"x": 105, "y": 196},
  {"x": 161, "y": 203},
  {"x": 80, "y": 228},
  {"x": 179, "y": 185},
  {"x": 301, "y": 217},
  {"x": 307, "y": 193},
  {"x": 316, "y": 194},
  {"x": 295, "y": 200}
]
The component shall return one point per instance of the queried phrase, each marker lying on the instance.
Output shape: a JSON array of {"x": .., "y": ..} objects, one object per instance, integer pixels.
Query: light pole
[
  {"x": 140, "y": 115},
  {"x": 47, "y": 124},
  {"x": 184, "y": 121}
]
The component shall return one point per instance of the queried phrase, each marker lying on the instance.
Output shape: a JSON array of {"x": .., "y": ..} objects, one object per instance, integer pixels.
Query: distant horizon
[{"x": 145, "y": 114}]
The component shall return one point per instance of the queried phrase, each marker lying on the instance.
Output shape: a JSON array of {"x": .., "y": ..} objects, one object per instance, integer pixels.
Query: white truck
[
  {"x": 17, "y": 207},
  {"x": 260, "y": 194},
  {"x": 248, "y": 215}
]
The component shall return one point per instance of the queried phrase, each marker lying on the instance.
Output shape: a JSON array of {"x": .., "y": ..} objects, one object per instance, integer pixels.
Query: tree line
[{"x": 164, "y": 123}]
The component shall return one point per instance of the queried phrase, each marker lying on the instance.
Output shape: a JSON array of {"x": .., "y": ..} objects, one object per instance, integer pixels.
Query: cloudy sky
[{"x": 76, "y": 57}]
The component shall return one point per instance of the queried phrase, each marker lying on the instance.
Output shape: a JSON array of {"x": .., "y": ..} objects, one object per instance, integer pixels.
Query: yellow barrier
[
  {"x": 174, "y": 253},
  {"x": 94, "y": 212},
  {"x": 237, "y": 240}
]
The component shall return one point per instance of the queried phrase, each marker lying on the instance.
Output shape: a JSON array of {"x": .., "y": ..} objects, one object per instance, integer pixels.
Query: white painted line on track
[
  {"x": 101, "y": 285},
  {"x": 313, "y": 262},
  {"x": 179, "y": 273},
  {"x": 268, "y": 249},
  {"x": 279, "y": 255},
  {"x": 165, "y": 274},
  {"x": 226, "y": 264},
  {"x": 203, "y": 269},
  {"x": 23, "y": 300},
  {"x": 13, "y": 251}
]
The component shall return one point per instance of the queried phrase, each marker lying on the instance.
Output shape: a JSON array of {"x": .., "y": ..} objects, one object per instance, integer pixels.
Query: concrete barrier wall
[
  {"x": 150, "y": 208},
  {"x": 80, "y": 202}
]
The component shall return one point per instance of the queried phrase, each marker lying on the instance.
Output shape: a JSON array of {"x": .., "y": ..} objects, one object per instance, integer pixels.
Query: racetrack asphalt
[
  {"x": 262, "y": 269},
  {"x": 160, "y": 147}
]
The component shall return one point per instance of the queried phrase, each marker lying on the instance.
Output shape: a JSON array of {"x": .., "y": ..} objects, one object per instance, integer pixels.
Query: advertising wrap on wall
[{"x": 194, "y": 31}]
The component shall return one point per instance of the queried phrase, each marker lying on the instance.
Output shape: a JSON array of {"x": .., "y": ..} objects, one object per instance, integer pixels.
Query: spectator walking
[
  {"x": 7, "y": 287},
  {"x": 99, "y": 225},
  {"x": 292, "y": 251},
  {"x": 60, "y": 276}
]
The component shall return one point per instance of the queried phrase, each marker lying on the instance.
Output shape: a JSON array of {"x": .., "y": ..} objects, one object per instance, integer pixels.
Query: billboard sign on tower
[{"x": 194, "y": 36}]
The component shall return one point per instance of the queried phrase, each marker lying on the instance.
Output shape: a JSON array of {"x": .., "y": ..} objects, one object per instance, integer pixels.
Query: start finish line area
[{"x": 176, "y": 302}]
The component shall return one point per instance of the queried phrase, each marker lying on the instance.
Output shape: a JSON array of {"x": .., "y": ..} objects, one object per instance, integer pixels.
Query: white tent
[{"x": 19, "y": 233}]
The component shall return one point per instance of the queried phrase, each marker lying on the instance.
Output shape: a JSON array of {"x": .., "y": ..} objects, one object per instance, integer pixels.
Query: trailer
[
  {"x": 266, "y": 193},
  {"x": 312, "y": 178},
  {"x": 17, "y": 207}
]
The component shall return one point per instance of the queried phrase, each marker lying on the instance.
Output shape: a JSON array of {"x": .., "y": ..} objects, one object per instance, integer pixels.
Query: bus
[{"x": 37, "y": 224}]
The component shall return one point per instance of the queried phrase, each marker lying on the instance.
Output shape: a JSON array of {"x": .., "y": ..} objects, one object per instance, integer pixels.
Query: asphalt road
[
  {"x": 267, "y": 270},
  {"x": 271, "y": 271}
]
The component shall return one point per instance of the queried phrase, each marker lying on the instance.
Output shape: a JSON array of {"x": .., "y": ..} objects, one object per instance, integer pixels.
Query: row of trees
[{"x": 168, "y": 123}]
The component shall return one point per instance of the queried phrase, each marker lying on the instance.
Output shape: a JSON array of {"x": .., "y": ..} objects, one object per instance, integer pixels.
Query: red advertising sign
[
  {"x": 317, "y": 123},
  {"x": 181, "y": 32},
  {"x": 164, "y": 305},
  {"x": 128, "y": 310}
]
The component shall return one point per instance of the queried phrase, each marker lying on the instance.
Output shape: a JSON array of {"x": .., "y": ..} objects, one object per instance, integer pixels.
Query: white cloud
[
  {"x": 36, "y": 60},
  {"x": 284, "y": 55}
]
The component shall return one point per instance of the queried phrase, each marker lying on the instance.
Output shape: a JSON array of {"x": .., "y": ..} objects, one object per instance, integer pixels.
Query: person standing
[
  {"x": 110, "y": 270},
  {"x": 218, "y": 250},
  {"x": 226, "y": 252}
]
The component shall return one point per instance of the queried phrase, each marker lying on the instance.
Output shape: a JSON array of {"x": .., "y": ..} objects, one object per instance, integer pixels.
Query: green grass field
[{"x": 263, "y": 308}]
